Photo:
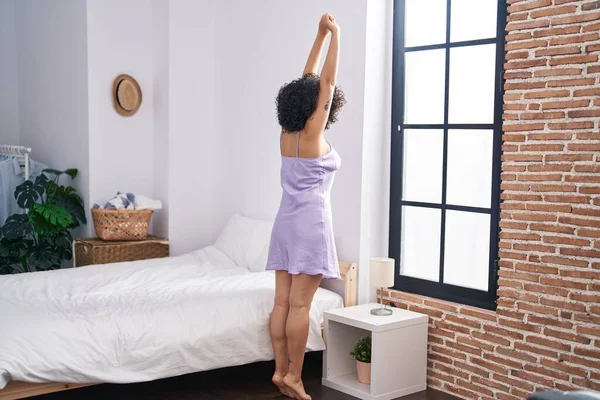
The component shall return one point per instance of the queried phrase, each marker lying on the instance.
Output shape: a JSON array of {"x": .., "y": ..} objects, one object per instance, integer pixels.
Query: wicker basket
[
  {"x": 95, "y": 251},
  {"x": 121, "y": 224}
]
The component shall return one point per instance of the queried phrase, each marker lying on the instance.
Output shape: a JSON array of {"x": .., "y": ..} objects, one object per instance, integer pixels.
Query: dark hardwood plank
[{"x": 247, "y": 382}]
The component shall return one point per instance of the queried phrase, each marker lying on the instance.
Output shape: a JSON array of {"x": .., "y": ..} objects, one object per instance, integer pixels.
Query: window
[{"x": 446, "y": 144}]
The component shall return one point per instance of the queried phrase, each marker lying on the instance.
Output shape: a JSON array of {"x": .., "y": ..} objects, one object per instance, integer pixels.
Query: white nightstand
[{"x": 398, "y": 354}]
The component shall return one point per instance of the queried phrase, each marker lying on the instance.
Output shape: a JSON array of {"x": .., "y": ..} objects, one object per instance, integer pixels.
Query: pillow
[{"x": 246, "y": 242}]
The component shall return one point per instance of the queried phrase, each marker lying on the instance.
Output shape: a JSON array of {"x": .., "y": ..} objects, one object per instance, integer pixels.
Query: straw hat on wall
[{"x": 127, "y": 95}]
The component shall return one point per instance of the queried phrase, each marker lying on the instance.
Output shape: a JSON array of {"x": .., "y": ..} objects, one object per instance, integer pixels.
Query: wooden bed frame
[{"x": 18, "y": 390}]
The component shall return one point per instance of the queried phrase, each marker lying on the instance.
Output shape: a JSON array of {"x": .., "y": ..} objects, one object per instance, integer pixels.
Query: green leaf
[
  {"x": 28, "y": 193},
  {"x": 63, "y": 245},
  {"x": 54, "y": 214},
  {"x": 40, "y": 225},
  {"x": 72, "y": 172},
  {"x": 44, "y": 259},
  {"x": 16, "y": 226},
  {"x": 74, "y": 208}
]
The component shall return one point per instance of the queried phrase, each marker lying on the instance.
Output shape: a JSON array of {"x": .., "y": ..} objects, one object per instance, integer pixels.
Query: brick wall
[{"x": 546, "y": 330}]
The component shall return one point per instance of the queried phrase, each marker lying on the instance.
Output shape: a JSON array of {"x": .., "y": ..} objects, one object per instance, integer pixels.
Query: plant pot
[{"x": 363, "y": 372}]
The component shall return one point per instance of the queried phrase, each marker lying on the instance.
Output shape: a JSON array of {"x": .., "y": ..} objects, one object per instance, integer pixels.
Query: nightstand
[
  {"x": 398, "y": 354},
  {"x": 87, "y": 251}
]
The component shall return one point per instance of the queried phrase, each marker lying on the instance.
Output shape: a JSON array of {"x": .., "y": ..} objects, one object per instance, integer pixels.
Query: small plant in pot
[{"x": 362, "y": 355}]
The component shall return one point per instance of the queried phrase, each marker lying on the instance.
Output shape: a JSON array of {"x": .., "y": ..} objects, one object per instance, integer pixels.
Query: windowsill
[{"x": 434, "y": 307}]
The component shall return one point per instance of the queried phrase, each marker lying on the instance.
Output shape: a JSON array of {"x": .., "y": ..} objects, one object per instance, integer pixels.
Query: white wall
[
  {"x": 266, "y": 49},
  {"x": 375, "y": 194},
  {"x": 198, "y": 138},
  {"x": 9, "y": 96},
  {"x": 160, "y": 101},
  {"x": 53, "y": 114},
  {"x": 120, "y": 40}
]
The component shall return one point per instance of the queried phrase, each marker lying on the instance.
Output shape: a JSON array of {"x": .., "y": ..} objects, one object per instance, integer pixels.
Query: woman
[{"x": 302, "y": 249}]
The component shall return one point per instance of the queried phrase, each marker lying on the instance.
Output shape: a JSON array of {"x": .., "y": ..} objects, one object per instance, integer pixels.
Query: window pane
[
  {"x": 424, "y": 87},
  {"x": 469, "y": 181},
  {"x": 472, "y": 19},
  {"x": 472, "y": 75},
  {"x": 467, "y": 249},
  {"x": 425, "y": 22},
  {"x": 422, "y": 165},
  {"x": 420, "y": 250}
]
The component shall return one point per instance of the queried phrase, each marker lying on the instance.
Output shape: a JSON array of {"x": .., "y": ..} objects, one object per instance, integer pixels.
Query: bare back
[{"x": 308, "y": 146}]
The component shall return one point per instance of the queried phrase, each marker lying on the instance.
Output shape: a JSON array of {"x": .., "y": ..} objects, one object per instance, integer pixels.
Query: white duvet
[{"x": 139, "y": 321}]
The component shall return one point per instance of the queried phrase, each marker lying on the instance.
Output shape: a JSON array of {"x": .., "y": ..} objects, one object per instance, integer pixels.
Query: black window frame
[{"x": 483, "y": 299}]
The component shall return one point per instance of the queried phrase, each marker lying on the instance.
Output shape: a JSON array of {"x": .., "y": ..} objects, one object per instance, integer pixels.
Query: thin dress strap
[{"x": 298, "y": 144}]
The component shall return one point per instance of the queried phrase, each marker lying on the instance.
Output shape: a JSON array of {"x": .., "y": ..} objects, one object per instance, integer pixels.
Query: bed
[{"x": 146, "y": 320}]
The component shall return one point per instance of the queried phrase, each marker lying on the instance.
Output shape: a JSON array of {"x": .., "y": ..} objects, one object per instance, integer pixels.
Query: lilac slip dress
[{"x": 302, "y": 237}]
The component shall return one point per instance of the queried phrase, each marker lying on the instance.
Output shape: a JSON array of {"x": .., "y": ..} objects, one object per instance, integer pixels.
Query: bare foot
[
  {"x": 295, "y": 383},
  {"x": 278, "y": 381}
]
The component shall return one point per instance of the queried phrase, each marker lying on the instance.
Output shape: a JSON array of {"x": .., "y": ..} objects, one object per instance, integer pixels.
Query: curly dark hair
[{"x": 297, "y": 100}]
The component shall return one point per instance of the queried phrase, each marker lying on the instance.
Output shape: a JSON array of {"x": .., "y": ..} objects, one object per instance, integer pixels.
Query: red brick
[
  {"x": 546, "y": 12},
  {"x": 580, "y": 59},
  {"x": 547, "y": 372},
  {"x": 533, "y": 217},
  {"x": 516, "y": 354},
  {"x": 519, "y": 236},
  {"x": 463, "y": 348},
  {"x": 580, "y": 252},
  {"x": 489, "y": 366},
  {"x": 563, "y": 304},
  {"x": 463, "y": 393},
  {"x": 533, "y": 378},
  {"x": 491, "y": 338},
  {"x": 565, "y": 240},
  {"x": 535, "y": 350},
  {"x": 434, "y": 374},
  {"x": 475, "y": 343},
  {"x": 524, "y": 6},
  {"x": 587, "y": 211},
  {"x": 563, "y": 367},
  {"x": 551, "y": 228},
  {"x": 534, "y": 319},
  {"x": 439, "y": 358},
  {"x": 441, "y": 305},
  {"x": 489, "y": 383},
  {"x": 515, "y": 275},
  {"x": 567, "y": 199},
  {"x": 521, "y": 197},
  {"x": 565, "y": 104},
  {"x": 513, "y": 381},
  {"x": 569, "y": 157},
  {"x": 471, "y": 368},
  {"x": 536, "y": 308},
  {"x": 571, "y": 125},
  {"x": 452, "y": 370},
  {"x": 547, "y": 93},
  {"x": 584, "y": 113},
  {"x": 559, "y": 41},
  {"x": 587, "y": 297},
  {"x": 515, "y": 26},
  {"x": 587, "y": 92},
  {"x": 534, "y": 247},
  {"x": 448, "y": 352},
  {"x": 591, "y": 28},
  {"x": 566, "y": 30},
  {"x": 583, "y": 147},
  {"x": 424, "y": 310},
  {"x": 586, "y": 17},
  {"x": 594, "y": 5},
  {"x": 452, "y": 327},
  {"x": 538, "y": 62},
  {"x": 408, "y": 297},
  {"x": 519, "y": 325},
  {"x": 482, "y": 314},
  {"x": 572, "y": 82},
  {"x": 588, "y": 330},
  {"x": 588, "y": 353},
  {"x": 580, "y": 360},
  {"x": 554, "y": 188},
  {"x": 537, "y": 268},
  {"x": 571, "y": 337},
  {"x": 580, "y": 274},
  {"x": 560, "y": 51},
  {"x": 529, "y": 44},
  {"x": 462, "y": 321}
]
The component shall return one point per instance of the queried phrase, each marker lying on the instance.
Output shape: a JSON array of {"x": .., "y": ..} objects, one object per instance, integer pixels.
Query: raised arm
[
  {"x": 312, "y": 64},
  {"x": 318, "y": 120}
]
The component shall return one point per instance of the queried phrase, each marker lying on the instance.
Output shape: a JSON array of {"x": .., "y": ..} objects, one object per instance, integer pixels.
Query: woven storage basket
[
  {"x": 121, "y": 224},
  {"x": 95, "y": 251}
]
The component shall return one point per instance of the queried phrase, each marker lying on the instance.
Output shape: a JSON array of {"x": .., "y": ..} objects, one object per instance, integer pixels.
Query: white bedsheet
[{"x": 139, "y": 321}]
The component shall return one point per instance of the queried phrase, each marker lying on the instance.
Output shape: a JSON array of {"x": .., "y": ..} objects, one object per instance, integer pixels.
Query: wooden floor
[{"x": 249, "y": 382}]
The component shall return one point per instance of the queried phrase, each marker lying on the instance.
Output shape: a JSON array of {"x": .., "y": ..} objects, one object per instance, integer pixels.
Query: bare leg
[
  {"x": 283, "y": 283},
  {"x": 301, "y": 296}
]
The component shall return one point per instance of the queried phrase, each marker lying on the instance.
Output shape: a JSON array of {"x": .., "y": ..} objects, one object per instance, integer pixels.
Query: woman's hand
[
  {"x": 332, "y": 26},
  {"x": 323, "y": 29}
]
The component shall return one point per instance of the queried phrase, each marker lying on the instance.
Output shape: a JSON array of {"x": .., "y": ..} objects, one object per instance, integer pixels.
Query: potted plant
[
  {"x": 40, "y": 239},
  {"x": 362, "y": 355}
]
